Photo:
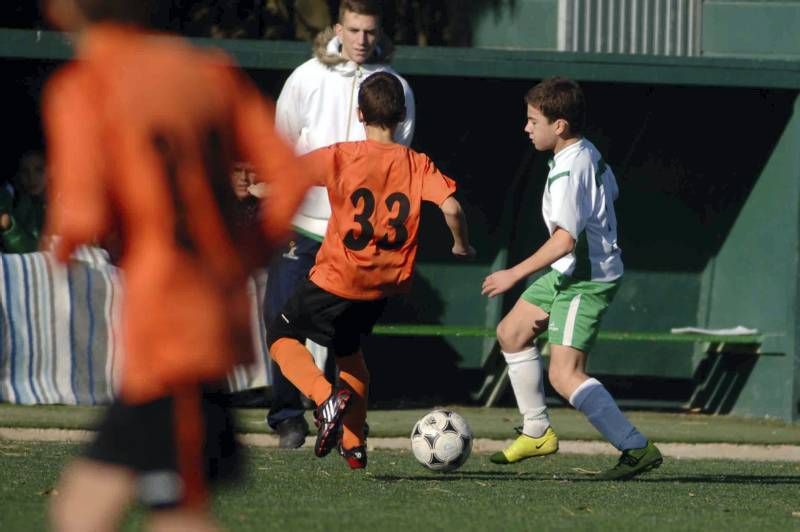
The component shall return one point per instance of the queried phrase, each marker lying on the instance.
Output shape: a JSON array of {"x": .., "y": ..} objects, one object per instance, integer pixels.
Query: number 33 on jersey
[{"x": 376, "y": 191}]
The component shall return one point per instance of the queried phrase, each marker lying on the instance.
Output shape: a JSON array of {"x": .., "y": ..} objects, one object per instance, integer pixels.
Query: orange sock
[
  {"x": 298, "y": 366},
  {"x": 354, "y": 375}
]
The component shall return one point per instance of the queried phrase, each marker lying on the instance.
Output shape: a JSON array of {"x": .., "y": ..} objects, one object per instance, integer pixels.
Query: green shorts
[{"x": 575, "y": 307}]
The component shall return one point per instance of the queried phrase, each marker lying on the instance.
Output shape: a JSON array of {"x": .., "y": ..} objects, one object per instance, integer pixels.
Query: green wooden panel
[
  {"x": 518, "y": 64},
  {"x": 751, "y": 28},
  {"x": 652, "y": 302},
  {"x": 34, "y": 44},
  {"x": 755, "y": 279},
  {"x": 526, "y": 24},
  {"x": 480, "y": 63},
  {"x": 706, "y": 154}
]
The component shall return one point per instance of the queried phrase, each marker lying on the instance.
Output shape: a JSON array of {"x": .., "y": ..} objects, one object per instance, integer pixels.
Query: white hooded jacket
[{"x": 318, "y": 106}]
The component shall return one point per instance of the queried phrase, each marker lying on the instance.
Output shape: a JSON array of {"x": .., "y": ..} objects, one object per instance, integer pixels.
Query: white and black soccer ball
[{"x": 441, "y": 440}]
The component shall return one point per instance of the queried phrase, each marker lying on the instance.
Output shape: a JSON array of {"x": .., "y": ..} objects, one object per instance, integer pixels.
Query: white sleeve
[
  {"x": 569, "y": 201},
  {"x": 288, "y": 117},
  {"x": 405, "y": 130}
]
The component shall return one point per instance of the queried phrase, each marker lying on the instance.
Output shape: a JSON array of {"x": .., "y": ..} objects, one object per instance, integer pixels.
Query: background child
[
  {"x": 585, "y": 268},
  {"x": 142, "y": 132},
  {"x": 243, "y": 181},
  {"x": 22, "y": 207},
  {"x": 376, "y": 188}
]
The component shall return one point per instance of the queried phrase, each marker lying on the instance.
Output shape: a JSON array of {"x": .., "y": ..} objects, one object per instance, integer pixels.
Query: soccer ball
[{"x": 441, "y": 440}]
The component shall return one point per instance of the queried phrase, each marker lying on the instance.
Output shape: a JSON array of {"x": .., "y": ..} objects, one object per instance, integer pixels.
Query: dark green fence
[{"x": 706, "y": 153}]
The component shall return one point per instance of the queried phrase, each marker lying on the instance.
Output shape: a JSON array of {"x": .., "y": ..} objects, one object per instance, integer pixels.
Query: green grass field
[{"x": 293, "y": 490}]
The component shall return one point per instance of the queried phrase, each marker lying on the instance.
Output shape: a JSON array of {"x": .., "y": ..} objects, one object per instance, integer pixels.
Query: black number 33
[{"x": 367, "y": 232}]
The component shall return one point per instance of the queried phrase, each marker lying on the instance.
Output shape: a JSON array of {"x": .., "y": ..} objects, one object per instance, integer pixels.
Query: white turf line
[{"x": 723, "y": 451}]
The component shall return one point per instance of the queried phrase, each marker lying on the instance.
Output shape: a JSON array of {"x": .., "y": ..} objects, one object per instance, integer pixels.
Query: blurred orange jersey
[
  {"x": 376, "y": 191},
  {"x": 142, "y": 131}
]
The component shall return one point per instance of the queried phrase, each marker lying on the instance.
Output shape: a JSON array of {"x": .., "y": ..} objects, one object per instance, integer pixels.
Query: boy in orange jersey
[
  {"x": 142, "y": 132},
  {"x": 376, "y": 188}
]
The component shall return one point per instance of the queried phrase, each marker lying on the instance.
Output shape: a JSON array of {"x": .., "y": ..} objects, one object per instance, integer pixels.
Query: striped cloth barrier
[{"x": 59, "y": 343}]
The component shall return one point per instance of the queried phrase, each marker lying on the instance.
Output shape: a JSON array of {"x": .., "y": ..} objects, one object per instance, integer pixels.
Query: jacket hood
[{"x": 326, "y": 49}]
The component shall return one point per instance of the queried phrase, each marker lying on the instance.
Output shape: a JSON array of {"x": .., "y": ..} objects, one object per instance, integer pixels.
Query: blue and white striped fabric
[{"x": 59, "y": 341}]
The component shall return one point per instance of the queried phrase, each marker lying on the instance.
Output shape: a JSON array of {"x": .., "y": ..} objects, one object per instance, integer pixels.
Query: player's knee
[
  {"x": 69, "y": 513},
  {"x": 502, "y": 335},
  {"x": 510, "y": 338}
]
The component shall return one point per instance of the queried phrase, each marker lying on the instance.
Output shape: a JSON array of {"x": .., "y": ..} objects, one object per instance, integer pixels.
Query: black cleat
[
  {"x": 356, "y": 457},
  {"x": 328, "y": 419}
]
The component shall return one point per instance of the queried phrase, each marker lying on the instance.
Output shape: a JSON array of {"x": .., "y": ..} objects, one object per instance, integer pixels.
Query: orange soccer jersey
[
  {"x": 142, "y": 131},
  {"x": 376, "y": 191}
]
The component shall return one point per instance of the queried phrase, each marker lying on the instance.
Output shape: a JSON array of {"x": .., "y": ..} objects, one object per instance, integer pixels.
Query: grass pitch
[{"x": 293, "y": 490}]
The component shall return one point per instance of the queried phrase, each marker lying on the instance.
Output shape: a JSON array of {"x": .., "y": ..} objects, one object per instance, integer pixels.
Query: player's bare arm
[
  {"x": 457, "y": 222},
  {"x": 559, "y": 244}
]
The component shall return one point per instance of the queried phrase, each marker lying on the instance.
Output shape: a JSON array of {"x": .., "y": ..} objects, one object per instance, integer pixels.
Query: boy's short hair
[
  {"x": 560, "y": 98},
  {"x": 382, "y": 100},
  {"x": 361, "y": 7},
  {"x": 123, "y": 11}
]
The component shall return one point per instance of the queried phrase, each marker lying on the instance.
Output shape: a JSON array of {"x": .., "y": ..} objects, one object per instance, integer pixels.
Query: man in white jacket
[{"x": 316, "y": 108}]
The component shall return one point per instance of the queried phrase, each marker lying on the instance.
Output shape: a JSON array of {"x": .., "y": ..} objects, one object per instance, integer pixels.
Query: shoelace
[{"x": 320, "y": 414}]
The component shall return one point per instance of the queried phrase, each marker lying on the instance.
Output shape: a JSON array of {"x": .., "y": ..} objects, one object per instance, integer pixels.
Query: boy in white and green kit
[{"x": 568, "y": 301}]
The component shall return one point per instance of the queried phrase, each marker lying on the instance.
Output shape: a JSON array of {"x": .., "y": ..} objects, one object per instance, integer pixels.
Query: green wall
[
  {"x": 729, "y": 28},
  {"x": 531, "y": 24},
  {"x": 706, "y": 154},
  {"x": 755, "y": 277},
  {"x": 751, "y": 28}
]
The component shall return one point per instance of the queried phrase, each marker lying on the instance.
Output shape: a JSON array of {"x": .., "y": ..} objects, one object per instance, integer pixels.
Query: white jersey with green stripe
[{"x": 579, "y": 198}]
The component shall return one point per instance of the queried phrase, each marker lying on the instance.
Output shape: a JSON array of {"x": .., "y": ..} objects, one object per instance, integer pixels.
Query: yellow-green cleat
[
  {"x": 634, "y": 462},
  {"x": 527, "y": 447}
]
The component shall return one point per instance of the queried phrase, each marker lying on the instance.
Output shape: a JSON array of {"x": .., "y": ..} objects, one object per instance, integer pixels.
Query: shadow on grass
[
  {"x": 472, "y": 475},
  {"x": 726, "y": 479},
  {"x": 503, "y": 476}
]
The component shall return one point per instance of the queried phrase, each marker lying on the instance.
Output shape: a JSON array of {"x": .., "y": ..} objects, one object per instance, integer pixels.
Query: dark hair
[
  {"x": 560, "y": 98},
  {"x": 361, "y": 7},
  {"x": 137, "y": 12},
  {"x": 382, "y": 100}
]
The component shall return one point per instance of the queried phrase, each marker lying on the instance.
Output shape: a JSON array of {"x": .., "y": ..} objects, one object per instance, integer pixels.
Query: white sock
[
  {"x": 319, "y": 352},
  {"x": 593, "y": 400},
  {"x": 525, "y": 374}
]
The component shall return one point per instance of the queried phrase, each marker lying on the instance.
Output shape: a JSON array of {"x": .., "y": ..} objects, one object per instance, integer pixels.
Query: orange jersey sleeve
[
  {"x": 287, "y": 178},
  {"x": 322, "y": 164},
  {"x": 436, "y": 187},
  {"x": 78, "y": 203}
]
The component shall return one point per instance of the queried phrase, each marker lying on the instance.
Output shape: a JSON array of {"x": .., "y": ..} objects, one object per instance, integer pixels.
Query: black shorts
[
  {"x": 327, "y": 319},
  {"x": 143, "y": 438}
]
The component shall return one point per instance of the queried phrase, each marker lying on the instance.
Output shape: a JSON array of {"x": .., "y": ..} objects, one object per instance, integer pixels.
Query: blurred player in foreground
[
  {"x": 584, "y": 269},
  {"x": 376, "y": 188},
  {"x": 142, "y": 132}
]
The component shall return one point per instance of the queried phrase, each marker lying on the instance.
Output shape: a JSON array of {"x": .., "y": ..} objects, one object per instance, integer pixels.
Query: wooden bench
[{"x": 496, "y": 379}]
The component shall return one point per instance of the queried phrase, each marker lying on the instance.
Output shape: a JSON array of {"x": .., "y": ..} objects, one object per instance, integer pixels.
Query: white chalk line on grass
[{"x": 722, "y": 451}]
